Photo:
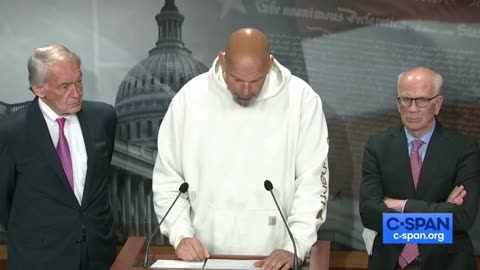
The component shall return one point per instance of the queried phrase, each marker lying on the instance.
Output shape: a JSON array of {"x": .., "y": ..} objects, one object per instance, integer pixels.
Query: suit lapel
[
  {"x": 400, "y": 146},
  {"x": 431, "y": 159},
  {"x": 88, "y": 138},
  {"x": 40, "y": 137}
]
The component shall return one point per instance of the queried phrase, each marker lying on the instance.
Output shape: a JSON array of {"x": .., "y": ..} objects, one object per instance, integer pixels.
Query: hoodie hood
[{"x": 275, "y": 82}]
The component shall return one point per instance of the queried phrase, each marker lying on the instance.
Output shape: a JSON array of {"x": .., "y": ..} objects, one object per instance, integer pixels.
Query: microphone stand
[
  {"x": 183, "y": 188},
  {"x": 269, "y": 186}
]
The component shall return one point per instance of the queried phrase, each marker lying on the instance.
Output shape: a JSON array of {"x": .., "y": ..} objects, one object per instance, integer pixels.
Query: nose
[
  {"x": 413, "y": 107},
  {"x": 77, "y": 90},
  {"x": 245, "y": 90}
]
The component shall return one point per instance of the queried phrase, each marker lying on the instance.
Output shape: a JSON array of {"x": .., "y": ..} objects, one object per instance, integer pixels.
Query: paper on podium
[
  {"x": 368, "y": 238},
  {"x": 176, "y": 264},
  {"x": 230, "y": 264},
  {"x": 211, "y": 264}
]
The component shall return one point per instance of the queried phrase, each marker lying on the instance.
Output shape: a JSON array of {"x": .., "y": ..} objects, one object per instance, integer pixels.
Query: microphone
[
  {"x": 183, "y": 188},
  {"x": 269, "y": 186}
]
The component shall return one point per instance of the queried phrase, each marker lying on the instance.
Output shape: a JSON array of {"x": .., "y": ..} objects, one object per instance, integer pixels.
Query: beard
[{"x": 244, "y": 102}]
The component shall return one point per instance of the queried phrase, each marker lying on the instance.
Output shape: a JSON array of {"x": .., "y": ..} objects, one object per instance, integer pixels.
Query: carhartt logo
[{"x": 272, "y": 220}]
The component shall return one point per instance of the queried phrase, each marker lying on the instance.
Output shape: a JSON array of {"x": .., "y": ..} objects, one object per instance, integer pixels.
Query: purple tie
[
  {"x": 63, "y": 152},
  {"x": 410, "y": 251}
]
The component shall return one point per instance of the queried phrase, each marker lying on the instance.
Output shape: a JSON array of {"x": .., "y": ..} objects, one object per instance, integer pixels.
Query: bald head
[
  {"x": 245, "y": 64},
  {"x": 420, "y": 75},
  {"x": 247, "y": 43}
]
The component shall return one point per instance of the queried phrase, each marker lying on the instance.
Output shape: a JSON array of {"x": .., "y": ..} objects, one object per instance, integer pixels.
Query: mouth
[
  {"x": 243, "y": 98},
  {"x": 77, "y": 103},
  {"x": 413, "y": 119}
]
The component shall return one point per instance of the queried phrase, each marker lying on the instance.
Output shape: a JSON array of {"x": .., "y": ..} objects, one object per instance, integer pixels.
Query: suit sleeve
[
  {"x": 309, "y": 207},
  {"x": 467, "y": 173},
  {"x": 7, "y": 178},
  {"x": 371, "y": 202},
  {"x": 112, "y": 126}
]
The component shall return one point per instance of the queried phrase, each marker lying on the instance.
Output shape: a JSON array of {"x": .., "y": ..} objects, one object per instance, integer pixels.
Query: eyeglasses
[{"x": 421, "y": 102}]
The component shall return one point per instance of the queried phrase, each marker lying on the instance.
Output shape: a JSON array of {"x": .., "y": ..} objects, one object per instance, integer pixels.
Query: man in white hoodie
[{"x": 246, "y": 120}]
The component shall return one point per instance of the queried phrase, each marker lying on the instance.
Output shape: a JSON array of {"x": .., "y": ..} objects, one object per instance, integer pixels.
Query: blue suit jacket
[
  {"x": 46, "y": 226},
  {"x": 451, "y": 160}
]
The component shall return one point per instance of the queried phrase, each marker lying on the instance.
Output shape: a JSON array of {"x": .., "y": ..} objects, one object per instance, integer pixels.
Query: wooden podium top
[{"x": 132, "y": 254}]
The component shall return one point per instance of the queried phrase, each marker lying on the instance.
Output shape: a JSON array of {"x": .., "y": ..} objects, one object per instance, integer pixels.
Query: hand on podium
[
  {"x": 191, "y": 249},
  {"x": 279, "y": 259}
]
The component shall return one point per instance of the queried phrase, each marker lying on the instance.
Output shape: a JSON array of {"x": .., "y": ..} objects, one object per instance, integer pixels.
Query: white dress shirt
[{"x": 74, "y": 135}]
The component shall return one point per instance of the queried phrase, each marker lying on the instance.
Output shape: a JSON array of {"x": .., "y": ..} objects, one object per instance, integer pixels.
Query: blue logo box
[{"x": 417, "y": 228}]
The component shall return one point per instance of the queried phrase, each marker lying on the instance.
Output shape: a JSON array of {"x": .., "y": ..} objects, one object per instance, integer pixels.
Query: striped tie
[{"x": 410, "y": 252}]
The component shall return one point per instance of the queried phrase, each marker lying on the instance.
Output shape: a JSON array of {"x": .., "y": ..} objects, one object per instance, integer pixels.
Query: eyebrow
[
  {"x": 65, "y": 84},
  {"x": 69, "y": 83},
  {"x": 257, "y": 79}
]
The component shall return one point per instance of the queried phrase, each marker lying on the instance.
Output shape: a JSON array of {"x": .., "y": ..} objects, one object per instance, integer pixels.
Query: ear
[
  {"x": 270, "y": 62},
  {"x": 222, "y": 60},
  {"x": 38, "y": 91},
  {"x": 438, "y": 104}
]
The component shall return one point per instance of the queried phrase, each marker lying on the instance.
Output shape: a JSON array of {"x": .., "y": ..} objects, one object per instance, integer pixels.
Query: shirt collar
[
  {"x": 425, "y": 138},
  {"x": 49, "y": 115}
]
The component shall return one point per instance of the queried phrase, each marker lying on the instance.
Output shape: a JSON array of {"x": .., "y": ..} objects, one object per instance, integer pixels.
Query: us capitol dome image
[
  {"x": 141, "y": 102},
  {"x": 145, "y": 93}
]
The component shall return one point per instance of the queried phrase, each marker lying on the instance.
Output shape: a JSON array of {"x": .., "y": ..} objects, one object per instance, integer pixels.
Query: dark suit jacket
[
  {"x": 450, "y": 160},
  {"x": 46, "y": 226}
]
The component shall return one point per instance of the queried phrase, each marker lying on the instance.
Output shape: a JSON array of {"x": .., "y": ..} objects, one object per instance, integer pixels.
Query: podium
[{"x": 132, "y": 254}]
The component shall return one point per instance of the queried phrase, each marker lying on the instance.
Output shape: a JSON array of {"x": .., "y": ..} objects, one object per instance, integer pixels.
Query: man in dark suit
[
  {"x": 420, "y": 167},
  {"x": 54, "y": 156}
]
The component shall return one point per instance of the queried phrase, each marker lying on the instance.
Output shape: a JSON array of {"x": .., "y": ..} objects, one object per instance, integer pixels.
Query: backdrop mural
[{"x": 137, "y": 54}]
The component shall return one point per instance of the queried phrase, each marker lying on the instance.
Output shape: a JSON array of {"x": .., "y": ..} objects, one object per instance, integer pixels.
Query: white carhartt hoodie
[{"x": 226, "y": 152}]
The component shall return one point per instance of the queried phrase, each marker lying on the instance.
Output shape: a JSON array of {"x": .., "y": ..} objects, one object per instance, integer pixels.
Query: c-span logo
[{"x": 417, "y": 228}]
